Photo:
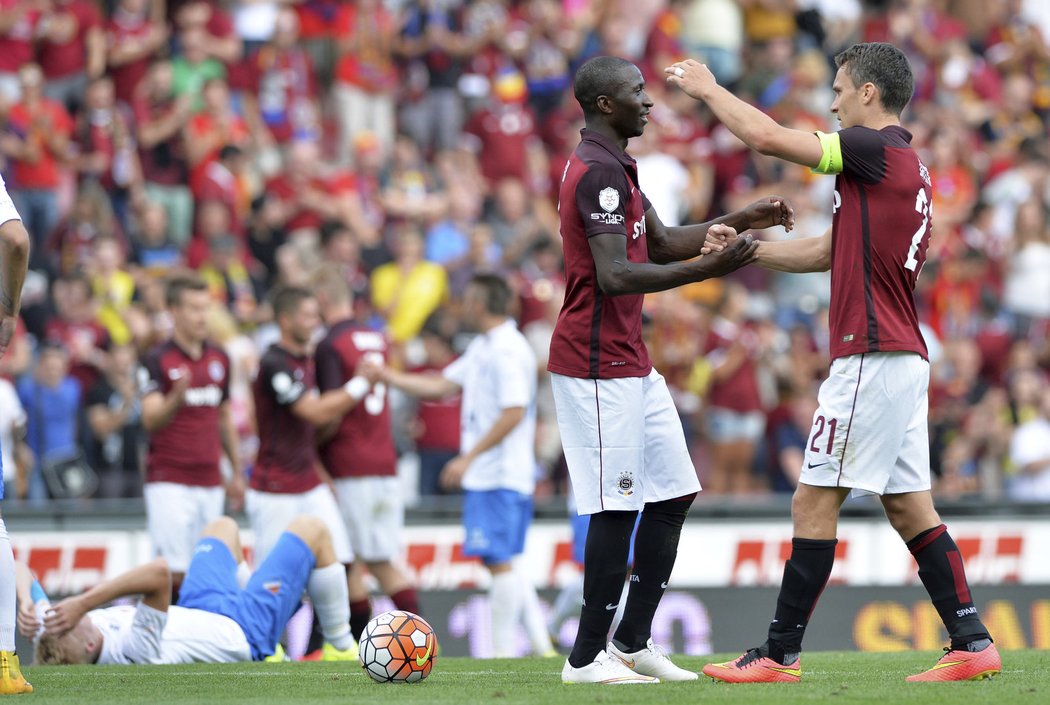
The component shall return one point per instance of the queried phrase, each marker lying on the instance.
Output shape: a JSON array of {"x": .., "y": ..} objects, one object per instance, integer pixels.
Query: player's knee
[
  {"x": 222, "y": 528},
  {"x": 677, "y": 507},
  {"x": 311, "y": 530}
]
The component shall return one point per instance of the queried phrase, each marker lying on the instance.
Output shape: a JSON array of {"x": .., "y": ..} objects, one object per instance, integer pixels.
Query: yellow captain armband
[{"x": 831, "y": 158}]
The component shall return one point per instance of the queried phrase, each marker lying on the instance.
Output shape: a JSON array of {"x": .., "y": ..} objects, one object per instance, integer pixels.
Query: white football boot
[
  {"x": 652, "y": 661},
  {"x": 606, "y": 670}
]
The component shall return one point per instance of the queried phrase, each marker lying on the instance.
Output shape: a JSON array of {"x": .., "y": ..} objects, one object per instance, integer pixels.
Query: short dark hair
[
  {"x": 181, "y": 283},
  {"x": 599, "y": 76},
  {"x": 287, "y": 299},
  {"x": 886, "y": 67},
  {"x": 495, "y": 292}
]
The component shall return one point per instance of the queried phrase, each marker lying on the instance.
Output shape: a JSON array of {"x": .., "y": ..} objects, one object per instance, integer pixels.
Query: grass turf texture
[{"x": 828, "y": 677}]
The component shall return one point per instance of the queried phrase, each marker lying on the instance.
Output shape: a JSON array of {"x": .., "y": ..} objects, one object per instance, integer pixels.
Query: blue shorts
[
  {"x": 496, "y": 522},
  {"x": 266, "y": 603},
  {"x": 580, "y": 523}
]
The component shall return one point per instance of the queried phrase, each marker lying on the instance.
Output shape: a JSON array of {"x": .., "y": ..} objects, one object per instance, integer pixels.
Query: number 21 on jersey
[{"x": 925, "y": 209}]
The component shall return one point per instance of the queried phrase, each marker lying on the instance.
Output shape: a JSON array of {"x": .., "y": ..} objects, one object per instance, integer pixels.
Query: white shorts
[
  {"x": 623, "y": 442},
  {"x": 7, "y": 206},
  {"x": 374, "y": 515},
  {"x": 870, "y": 431},
  {"x": 176, "y": 515},
  {"x": 270, "y": 513}
]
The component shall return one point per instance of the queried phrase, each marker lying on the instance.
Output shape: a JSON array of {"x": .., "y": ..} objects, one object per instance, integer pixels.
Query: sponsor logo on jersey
[
  {"x": 625, "y": 484},
  {"x": 608, "y": 199},
  {"x": 204, "y": 396},
  {"x": 608, "y": 218}
]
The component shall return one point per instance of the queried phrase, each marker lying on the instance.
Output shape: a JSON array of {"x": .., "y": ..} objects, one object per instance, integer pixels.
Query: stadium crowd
[{"x": 415, "y": 143}]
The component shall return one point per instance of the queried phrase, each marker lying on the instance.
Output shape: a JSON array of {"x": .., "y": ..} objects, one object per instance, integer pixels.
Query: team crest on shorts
[
  {"x": 608, "y": 199},
  {"x": 625, "y": 484},
  {"x": 273, "y": 586}
]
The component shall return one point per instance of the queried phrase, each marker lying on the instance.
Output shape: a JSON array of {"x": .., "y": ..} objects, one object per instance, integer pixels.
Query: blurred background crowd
[{"x": 416, "y": 142}]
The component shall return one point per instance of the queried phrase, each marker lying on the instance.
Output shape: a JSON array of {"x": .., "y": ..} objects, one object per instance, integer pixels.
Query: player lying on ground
[{"x": 216, "y": 620}]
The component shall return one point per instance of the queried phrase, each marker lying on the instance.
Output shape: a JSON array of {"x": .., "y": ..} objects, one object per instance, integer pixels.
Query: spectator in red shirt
[
  {"x": 283, "y": 96},
  {"x": 503, "y": 133},
  {"x": 106, "y": 146},
  {"x": 75, "y": 325},
  {"x": 223, "y": 181},
  {"x": 37, "y": 144},
  {"x": 162, "y": 119},
  {"x": 71, "y": 50},
  {"x": 213, "y": 128},
  {"x": 221, "y": 41},
  {"x": 303, "y": 197},
  {"x": 69, "y": 246},
  {"x": 365, "y": 75},
  {"x": 735, "y": 419},
  {"x": 435, "y": 427},
  {"x": 133, "y": 38},
  {"x": 18, "y": 28}
]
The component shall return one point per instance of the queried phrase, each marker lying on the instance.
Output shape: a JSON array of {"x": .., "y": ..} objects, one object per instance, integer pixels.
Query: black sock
[
  {"x": 604, "y": 568},
  {"x": 360, "y": 615},
  {"x": 805, "y": 575},
  {"x": 941, "y": 571},
  {"x": 655, "y": 551}
]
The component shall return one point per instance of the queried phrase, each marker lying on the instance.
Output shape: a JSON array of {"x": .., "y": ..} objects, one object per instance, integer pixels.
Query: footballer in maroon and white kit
[
  {"x": 620, "y": 430},
  {"x": 359, "y": 452},
  {"x": 870, "y": 433},
  {"x": 288, "y": 479},
  {"x": 185, "y": 409}
]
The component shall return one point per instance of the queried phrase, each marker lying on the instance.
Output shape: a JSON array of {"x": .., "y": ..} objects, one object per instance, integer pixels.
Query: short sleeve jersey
[
  {"x": 143, "y": 635},
  {"x": 363, "y": 444},
  {"x": 880, "y": 234},
  {"x": 188, "y": 449},
  {"x": 496, "y": 372},
  {"x": 286, "y": 461},
  {"x": 599, "y": 336}
]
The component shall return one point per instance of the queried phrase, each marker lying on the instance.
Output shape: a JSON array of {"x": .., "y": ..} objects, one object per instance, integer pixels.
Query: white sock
[
  {"x": 328, "y": 593},
  {"x": 567, "y": 603},
  {"x": 7, "y": 591},
  {"x": 532, "y": 617},
  {"x": 244, "y": 574},
  {"x": 505, "y": 604}
]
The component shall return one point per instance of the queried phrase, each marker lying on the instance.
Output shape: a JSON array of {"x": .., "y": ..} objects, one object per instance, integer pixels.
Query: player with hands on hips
[{"x": 870, "y": 433}]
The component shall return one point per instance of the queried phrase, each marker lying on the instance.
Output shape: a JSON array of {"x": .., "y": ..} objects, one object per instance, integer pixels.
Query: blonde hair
[{"x": 49, "y": 651}]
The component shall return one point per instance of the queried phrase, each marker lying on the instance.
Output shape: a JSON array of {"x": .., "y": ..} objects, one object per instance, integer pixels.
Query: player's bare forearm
[
  {"x": 229, "y": 438},
  {"x": 421, "y": 386},
  {"x": 152, "y": 581},
  {"x": 158, "y": 409},
  {"x": 508, "y": 419},
  {"x": 684, "y": 242},
  {"x": 809, "y": 254},
  {"x": 319, "y": 410},
  {"x": 14, "y": 261},
  {"x": 756, "y": 129}
]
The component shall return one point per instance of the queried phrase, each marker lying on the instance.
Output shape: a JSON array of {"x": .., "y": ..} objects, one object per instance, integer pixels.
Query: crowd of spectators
[{"x": 416, "y": 142}]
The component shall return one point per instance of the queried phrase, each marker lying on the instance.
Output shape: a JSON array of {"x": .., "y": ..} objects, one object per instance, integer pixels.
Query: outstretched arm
[
  {"x": 808, "y": 254},
  {"x": 152, "y": 581},
  {"x": 617, "y": 275},
  {"x": 756, "y": 129},
  {"x": 684, "y": 242}
]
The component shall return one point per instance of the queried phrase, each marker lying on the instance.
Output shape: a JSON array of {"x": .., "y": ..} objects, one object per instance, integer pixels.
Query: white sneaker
[
  {"x": 606, "y": 670},
  {"x": 652, "y": 661}
]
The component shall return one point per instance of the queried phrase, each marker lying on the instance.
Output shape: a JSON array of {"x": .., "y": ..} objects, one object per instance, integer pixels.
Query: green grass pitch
[{"x": 829, "y": 677}]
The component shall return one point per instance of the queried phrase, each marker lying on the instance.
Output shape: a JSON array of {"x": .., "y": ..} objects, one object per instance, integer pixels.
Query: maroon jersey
[
  {"x": 364, "y": 443},
  {"x": 188, "y": 449},
  {"x": 599, "y": 336},
  {"x": 739, "y": 391},
  {"x": 881, "y": 230},
  {"x": 287, "y": 461}
]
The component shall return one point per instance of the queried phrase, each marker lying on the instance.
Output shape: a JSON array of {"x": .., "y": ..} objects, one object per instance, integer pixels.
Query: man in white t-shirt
[
  {"x": 216, "y": 621},
  {"x": 1030, "y": 453},
  {"x": 496, "y": 466}
]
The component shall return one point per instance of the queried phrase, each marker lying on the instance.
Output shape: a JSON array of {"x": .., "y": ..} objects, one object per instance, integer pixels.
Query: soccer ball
[{"x": 398, "y": 647}]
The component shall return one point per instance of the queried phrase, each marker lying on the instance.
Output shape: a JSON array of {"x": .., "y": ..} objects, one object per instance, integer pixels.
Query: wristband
[{"x": 357, "y": 388}]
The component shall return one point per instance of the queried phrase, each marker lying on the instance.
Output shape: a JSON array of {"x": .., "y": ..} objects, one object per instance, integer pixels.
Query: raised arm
[
  {"x": 152, "y": 581},
  {"x": 756, "y": 129}
]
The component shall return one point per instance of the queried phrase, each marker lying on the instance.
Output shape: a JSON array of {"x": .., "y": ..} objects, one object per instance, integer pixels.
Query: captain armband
[{"x": 831, "y": 154}]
